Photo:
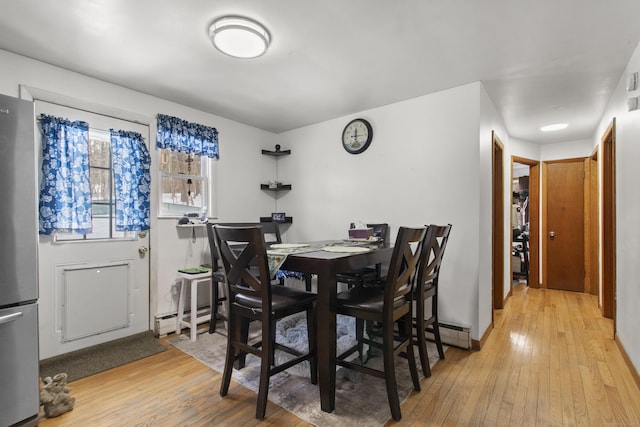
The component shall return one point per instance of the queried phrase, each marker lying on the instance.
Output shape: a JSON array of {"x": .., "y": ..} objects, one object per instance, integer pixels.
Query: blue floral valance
[
  {"x": 65, "y": 192},
  {"x": 132, "y": 179},
  {"x": 192, "y": 138}
]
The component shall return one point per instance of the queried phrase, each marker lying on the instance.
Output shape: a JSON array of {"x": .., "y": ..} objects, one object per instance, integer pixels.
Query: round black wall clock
[{"x": 357, "y": 136}]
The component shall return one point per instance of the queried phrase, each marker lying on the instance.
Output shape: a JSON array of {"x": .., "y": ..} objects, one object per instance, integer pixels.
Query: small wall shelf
[
  {"x": 287, "y": 220},
  {"x": 280, "y": 187},
  {"x": 276, "y": 153},
  {"x": 204, "y": 224}
]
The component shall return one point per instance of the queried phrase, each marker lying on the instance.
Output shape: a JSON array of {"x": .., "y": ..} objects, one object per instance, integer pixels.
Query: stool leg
[
  {"x": 194, "y": 310},
  {"x": 181, "y": 298}
]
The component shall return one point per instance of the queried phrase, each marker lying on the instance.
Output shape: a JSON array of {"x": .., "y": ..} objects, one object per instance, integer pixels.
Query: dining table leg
[{"x": 326, "y": 335}]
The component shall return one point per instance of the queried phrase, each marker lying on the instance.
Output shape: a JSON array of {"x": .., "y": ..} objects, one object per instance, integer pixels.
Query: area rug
[
  {"x": 91, "y": 360},
  {"x": 361, "y": 400}
]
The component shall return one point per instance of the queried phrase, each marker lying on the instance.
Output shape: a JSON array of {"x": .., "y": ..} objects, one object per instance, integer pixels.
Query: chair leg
[
  {"x": 265, "y": 372},
  {"x": 390, "y": 371},
  {"x": 307, "y": 282},
  {"x": 421, "y": 339},
  {"x": 436, "y": 326},
  {"x": 313, "y": 345},
  {"x": 359, "y": 339},
  {"x": 214, "y": 306},
  {"x": 242, "y": 335},
  {"x": 410, "y": 356},
  {"x": 436, "y": 336},
  {"x": 230, "y": 358}
]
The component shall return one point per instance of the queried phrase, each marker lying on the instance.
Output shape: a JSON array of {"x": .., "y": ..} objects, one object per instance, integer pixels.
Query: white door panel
[{"x": 61, "y": 283}]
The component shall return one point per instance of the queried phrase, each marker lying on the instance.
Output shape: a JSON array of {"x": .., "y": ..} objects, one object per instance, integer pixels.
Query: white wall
[
  {"x": 566, "y": 150},
  {"x": 627, "y": 210},
  {"x": 240, "y": 169},
  {"x": 490, "y": 120},
  {"x": 423, "y": 166}
]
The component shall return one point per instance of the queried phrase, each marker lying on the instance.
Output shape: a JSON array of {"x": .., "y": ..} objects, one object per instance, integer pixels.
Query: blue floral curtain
[
  {"x": 132, "y": 179},
  {"x": 192, "y": 138},
  {"x": 65, "y": 195}
]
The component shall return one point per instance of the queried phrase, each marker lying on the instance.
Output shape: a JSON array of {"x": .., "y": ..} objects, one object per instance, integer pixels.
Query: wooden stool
[{"x": 193, "y": 280}]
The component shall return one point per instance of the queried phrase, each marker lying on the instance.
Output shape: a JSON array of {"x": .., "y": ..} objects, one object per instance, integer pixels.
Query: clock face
[{"x": 357, "y": 136}]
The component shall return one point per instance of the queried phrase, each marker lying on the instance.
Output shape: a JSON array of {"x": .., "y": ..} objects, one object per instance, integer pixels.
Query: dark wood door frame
[
  {"x": 608, "y": 235},
  {"x": 534, "y": 218},
  {"x": 592, "y": 225},
  {"x": 497, "y": 241}
]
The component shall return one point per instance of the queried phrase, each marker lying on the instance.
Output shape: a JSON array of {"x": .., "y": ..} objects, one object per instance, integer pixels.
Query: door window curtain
[
  {"x": 65, "y": 195},
  {"x": 191, "y": 138},
  {"x": 132, "y": 178}
]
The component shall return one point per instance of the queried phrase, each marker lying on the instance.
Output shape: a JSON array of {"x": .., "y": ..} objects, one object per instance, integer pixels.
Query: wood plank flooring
[{"x": 550, "y": 361}]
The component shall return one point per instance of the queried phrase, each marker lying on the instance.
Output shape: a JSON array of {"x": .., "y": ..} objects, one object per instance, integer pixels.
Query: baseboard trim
[
  {"x": 477, "y": 345},
  {"x": 627, "y": 360}
]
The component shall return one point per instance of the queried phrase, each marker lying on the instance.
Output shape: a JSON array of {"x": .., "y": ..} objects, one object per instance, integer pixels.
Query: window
[
  {"x": 184, "y": 183},
  {"x": 102, "y": 192}
]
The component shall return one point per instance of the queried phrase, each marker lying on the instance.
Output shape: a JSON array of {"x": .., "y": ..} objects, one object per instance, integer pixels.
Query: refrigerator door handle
[{"x": 10, "y": 318}]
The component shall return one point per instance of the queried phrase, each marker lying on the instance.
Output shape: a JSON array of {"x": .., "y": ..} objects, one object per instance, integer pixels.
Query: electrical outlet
[{"x": 175, "y": 289}]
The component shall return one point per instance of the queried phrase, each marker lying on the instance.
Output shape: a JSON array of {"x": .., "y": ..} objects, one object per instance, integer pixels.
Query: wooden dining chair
[
  {"x": 426, "y": 288},
  {"x": 388, "y": 306},
  {"x": 369, "y": 273},
  {"x": 243, "y": 256},
  {"x": 217, "y": 284}
]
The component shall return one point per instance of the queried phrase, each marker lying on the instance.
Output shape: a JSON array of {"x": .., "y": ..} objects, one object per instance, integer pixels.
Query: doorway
[
  {"x": 525, "y": 221},
  {"x": 564, "y": 224}
]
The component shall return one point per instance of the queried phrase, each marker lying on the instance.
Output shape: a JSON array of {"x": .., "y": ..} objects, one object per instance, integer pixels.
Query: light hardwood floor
[{"x": 550, "y": 361}]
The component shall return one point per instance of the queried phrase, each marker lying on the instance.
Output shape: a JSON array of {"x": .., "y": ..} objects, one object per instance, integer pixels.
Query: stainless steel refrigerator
[{"x": 19, "y": 371}]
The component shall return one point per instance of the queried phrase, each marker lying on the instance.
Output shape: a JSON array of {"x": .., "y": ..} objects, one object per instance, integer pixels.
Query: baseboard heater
[
  {"x": 166, "y": 323},
  {"x": 455, "y": 335}
]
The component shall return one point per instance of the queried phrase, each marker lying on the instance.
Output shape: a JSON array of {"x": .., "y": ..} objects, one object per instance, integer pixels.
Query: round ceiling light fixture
[
  {"x": 554, "y": 127},
  {"x": 239, "y": 37}
]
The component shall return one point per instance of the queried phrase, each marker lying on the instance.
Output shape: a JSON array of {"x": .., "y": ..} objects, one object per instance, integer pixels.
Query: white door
[{"x": 93, "y": 288}]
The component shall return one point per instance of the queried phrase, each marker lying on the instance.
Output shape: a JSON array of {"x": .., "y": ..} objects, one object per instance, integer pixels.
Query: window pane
[
  {"x": 100, "y": 223},
  {"x": 173, "y": 162},
  {"x": 100, "y": 185},
  {"x": 99, "y": 152},
  {"x": 181, "y": 194}
]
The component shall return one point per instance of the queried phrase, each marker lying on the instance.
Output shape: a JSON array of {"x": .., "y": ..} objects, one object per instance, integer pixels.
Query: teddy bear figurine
[{"x": 54, "y": 396}]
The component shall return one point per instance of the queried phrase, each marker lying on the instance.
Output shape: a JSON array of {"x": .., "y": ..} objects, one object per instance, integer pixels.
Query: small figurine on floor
[{"x": 54, "y": 396}]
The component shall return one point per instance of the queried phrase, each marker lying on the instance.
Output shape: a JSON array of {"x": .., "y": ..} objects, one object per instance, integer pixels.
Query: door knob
[
  {"x": 552, "y": 234},
  {"x": 143, "y": 250}
]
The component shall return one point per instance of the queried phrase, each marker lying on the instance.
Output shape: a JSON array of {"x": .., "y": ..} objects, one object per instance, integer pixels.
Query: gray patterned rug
[{"x": 361, "y": 400}]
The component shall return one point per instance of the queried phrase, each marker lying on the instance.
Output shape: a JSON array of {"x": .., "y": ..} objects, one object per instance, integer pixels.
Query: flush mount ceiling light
[
  {"x": 239, "y": 37},
  {"x": 555, "y": 126}
]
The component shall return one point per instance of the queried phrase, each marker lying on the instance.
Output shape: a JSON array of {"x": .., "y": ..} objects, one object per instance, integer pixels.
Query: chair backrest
[
  {"x": 435, "y": 242},
  {"x": 403, "y": 266},
  {"x": 270, "y": 232},
  {"x": 243, "y": 255},
  {"x": 381, "y": 231}
]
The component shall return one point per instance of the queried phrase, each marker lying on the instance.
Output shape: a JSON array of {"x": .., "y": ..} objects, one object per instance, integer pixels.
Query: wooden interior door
[
  {"x": 609, "y": 223},
  {"x": 564, "y": 231},
  {"x": 497, "y": 243}
]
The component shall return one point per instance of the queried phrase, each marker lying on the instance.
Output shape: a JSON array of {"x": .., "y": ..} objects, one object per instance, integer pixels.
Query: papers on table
[{"x": 346, "y": 249}]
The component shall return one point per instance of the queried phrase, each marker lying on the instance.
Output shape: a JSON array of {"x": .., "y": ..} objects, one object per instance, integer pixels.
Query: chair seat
[
  {"x": 282, "y": 298},
  {"x": 365, "y": 299}
]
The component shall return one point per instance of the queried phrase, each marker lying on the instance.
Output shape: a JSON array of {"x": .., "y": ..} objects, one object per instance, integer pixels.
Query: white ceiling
[{"x": 541, "y": 61}]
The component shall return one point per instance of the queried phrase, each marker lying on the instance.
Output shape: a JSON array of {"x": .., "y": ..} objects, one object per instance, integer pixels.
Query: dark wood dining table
[{"x": 325, "y": 265}]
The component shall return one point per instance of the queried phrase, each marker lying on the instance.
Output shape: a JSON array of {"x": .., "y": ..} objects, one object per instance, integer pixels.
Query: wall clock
[{"x": 357, "y": 136}]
